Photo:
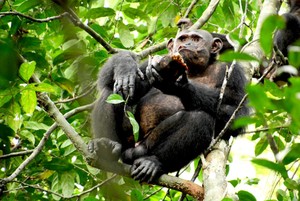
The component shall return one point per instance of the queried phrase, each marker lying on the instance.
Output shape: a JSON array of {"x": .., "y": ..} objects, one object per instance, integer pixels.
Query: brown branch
[
  {"x": 206, "y": 14},
  {"x": 155, "y": 48},
  {"x": 273, "y": 145},
  {"x": 48, "y": 19}
]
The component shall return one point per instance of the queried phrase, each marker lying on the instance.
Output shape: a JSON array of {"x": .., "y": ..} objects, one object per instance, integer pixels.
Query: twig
[
  {"x": 191, "y": 6},
  {"x": 62, "y": 196},
  {"x": 155, "y": 48},
  {"x": 77, "y": 97},
  {"x": 206, "y": 14},
  {"x": 265, "y": 129},
  {"x": 273, "y": 145},
  {"x": 48, "y": 19},
  {"x": 14, "y": 154}
]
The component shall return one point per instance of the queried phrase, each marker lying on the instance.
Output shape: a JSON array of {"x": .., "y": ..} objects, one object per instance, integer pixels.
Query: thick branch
[{"x": 214, "y": 175}]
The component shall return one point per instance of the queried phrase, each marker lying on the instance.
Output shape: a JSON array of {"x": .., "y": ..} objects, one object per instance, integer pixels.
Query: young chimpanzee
[{"x": 175, "y": 105}]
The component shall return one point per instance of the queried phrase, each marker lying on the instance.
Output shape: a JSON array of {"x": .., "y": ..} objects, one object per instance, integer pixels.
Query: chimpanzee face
[{"x": 195, "y": 47}]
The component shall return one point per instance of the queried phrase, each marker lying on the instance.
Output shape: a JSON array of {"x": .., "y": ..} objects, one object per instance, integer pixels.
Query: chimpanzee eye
[
  {"x": 196, "y": 38},
  {"x": 182, "y": 38}
]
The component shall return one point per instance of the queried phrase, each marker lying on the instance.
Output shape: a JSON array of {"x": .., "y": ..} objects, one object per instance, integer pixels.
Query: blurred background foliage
[{"x": 67, "y": 59}]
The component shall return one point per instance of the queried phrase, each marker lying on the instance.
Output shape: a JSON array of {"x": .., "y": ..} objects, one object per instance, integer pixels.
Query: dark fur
[{"x": 291, "y": 33}]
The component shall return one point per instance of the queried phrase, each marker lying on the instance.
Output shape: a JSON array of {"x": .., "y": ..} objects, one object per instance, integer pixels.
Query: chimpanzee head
[{"x": 197, "y": 47}]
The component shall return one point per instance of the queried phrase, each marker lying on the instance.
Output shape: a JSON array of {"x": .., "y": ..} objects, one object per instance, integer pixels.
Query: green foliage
[{"x": 268, "y": 28}]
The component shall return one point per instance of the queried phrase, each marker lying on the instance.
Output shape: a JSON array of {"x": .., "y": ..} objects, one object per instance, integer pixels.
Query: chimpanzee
[{"x": 175, "y": 105}]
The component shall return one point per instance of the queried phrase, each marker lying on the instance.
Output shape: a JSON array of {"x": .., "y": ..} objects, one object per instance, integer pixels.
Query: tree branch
[
  {"x": 187, "y": 12},
  {"x": 206, "y": 14},
  {"x": 77, "y": 22},
  {"x": 48, "y": 19},
  {"x": 14, "y": 154}
]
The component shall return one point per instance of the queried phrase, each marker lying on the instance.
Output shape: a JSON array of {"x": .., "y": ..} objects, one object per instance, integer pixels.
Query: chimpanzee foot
[
  {"x": 105, "y": 148},
  {"x": 146, "y": 169}
]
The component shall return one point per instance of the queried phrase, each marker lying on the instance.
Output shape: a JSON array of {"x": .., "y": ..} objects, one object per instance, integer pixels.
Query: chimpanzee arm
[{"x": 197, "y": 96}]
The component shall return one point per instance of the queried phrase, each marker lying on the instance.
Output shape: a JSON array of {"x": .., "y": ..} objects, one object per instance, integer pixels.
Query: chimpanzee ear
[
  {"x": 216, "y": 45},
  {"x": 170, "y": 45}
]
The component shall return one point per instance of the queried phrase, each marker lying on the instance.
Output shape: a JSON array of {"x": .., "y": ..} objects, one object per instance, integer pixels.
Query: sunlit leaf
[
  {"x": 272, "y": 166},
  {"x": 261, "y": 146},
  {"x": 125, "y": 36},
  {"x": 27, "y": 70},
  {"x": 229, "y": 56},
  {"x": 115, "y": 99},
  {"x": 28, "y": 101}
]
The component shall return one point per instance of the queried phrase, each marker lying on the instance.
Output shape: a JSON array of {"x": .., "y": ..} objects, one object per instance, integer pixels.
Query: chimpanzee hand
[
  {"x": 146, "y": 169},
  {"x": 125, "y": 73},
  {"x": 168, "y": 68},
  {"x": 106, "y": 148}
]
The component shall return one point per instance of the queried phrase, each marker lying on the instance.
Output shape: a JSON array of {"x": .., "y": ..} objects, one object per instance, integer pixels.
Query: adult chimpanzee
[{"x": 175, "y": 105}]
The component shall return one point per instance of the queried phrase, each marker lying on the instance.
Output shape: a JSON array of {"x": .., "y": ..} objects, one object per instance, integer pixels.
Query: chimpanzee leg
[
  {"x": 110, "y": 128},
  {"x": 173, "y": 144}
]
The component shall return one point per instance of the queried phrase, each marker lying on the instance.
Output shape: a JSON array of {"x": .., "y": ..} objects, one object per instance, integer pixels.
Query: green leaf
[
  {"x": 28, "y": 135},
  {"x": 294, "y": 55},
  {"x": 136, "y": 195},
  {"x": 58, "y": 164},
  {"x": 229, "y": 56},
  {"x": 67, "y": 183},
  {"x": 125, "y": 35},
  {"x": 134, "y": 13},
  {"x": 261, "y": 146},
  {"x": 35, "y": 125},
  {"x": 292, "y": 155},
  {"x": 135, "y": 126},
  {"x": 55, "y": 186},
  {"x": 6, "y": 95},
  {"x": 44, "y": 87},
  {"x": 27, "y": 5},
  {"x": 272, "y": 166},
  {"x": 64, "y": 84},
  {"x": 28, "y": 101},
  {"x": 95, "y": 13},
  {"x": 246, "y": 196},
  {"x": 291, "y": 184},
  {"x": 115, "y": 99},
  {"x": 268, "y": 28},
  {"x": 27, "y": 70}
]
